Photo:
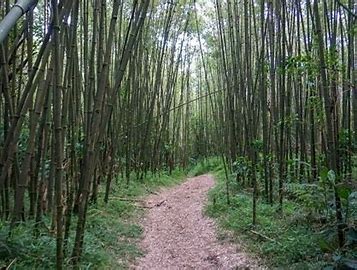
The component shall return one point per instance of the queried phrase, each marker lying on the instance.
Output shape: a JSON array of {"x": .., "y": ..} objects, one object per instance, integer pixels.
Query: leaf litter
[{"x": 177, "y": 234}]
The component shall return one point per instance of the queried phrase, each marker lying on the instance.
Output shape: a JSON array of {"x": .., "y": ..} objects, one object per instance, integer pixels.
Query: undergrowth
[
  {"x": 283, "y": 241},
  {"x": 287, "y": 241},
  {"x": 111, "y": 236},
  {"x": 205, "y": 166}
]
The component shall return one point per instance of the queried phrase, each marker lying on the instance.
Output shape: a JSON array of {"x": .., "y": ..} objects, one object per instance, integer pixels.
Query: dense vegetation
[
  {"x": 99, "y": 96},
  {"x": 300, "y": 239}
]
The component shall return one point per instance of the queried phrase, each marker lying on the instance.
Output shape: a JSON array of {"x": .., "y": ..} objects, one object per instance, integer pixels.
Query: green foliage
[
  {"x": 110, "y": 242},
  {"x": 258, "y": 145},
  {"x": 288, "y": 120},
  {"x": 332, "y": 60},
  {"x": 111, "y": 231},
  {"x": 27, "y": 249},
  {"x": 346, "y": 144},
  {"x": 242, "y": 166},
  {"x": 295, "y": 240},
  {"x": 205, "y": 166},
  {"x": 311, "y": 196},
  {"x": 301, "y": 64}
]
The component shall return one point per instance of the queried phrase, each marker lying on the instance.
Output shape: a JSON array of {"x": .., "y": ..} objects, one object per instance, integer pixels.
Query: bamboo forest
[{"x": 178, "y": 134}]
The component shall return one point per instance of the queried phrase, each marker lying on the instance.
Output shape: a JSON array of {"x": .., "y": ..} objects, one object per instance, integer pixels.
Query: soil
[{"x": 177, "y": 234}]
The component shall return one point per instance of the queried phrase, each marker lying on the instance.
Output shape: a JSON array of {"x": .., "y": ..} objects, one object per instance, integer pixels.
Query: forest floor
[{"x": 177, "y": 234}]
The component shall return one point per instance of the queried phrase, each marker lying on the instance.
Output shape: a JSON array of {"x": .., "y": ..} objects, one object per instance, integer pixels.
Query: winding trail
[{"x": 178, "y": 236}]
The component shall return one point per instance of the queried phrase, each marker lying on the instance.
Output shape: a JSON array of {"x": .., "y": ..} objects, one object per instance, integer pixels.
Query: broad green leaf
[
  {"x": 324, "y": 174},
  {"x": 331, "y": 176},
  {"x": 325, "y": 246},
  {"x": 343, "y": 191}
]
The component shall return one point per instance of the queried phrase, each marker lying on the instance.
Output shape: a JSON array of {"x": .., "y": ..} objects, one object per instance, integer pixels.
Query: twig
[
  {"x": 150, "y": 207},
  {"x": 141, "y": 202},
  {"x": 144, "y": 206},
  {"x": 13, "y": 261},
  {"x": 160, "y": 203},
  {"x": 150, "y": 191},
  {"x": 128, "y": 199},
  {"x": 264, "y": 236}
]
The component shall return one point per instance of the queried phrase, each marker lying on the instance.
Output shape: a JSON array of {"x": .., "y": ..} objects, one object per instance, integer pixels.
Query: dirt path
[{"x": 178, "y": 236}]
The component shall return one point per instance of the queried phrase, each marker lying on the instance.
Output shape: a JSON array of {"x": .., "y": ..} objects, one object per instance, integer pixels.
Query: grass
[
  {"x": 206, "y": 166},
  {"x": 283, "y": 242},
  {"x": 112, "y": 231}
]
